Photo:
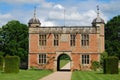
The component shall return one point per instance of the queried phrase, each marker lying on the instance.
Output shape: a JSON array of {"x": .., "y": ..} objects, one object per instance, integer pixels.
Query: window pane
[
  {"x": 42, "y": 58},
  {"x": 85, "y": 59},
  {"x": 85, "y": 39},
  {"x": 72, "y": 39},
  {"x": 42, "y": 39},
  {"x": 82, "y": 61},
  {"x": 56, "y": 39}
]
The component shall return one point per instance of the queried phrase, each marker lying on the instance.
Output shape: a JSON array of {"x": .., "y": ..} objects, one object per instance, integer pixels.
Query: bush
[
  {"x": 12, "y": 64},
  {"x": 1, "y": 63},
  {"x": 111, "y": 65},
  {"x": 95, "y": 65},
  {"x": 102, "y": 57}
]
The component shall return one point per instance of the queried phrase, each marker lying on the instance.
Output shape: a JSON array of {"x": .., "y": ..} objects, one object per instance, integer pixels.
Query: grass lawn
[
  {"x": 63, "y": 63},
  {"x": 25, "y": 75},
  {"x": 94, "y": 75}
]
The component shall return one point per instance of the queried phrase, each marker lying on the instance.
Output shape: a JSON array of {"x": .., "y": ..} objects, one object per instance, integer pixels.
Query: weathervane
[
  {"x": 97, "y": 10},
  {"x": 35, "y": 11},
  {"x": 64, "y": 17}
]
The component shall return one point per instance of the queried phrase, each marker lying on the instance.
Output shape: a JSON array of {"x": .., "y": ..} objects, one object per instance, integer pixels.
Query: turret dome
[
  {"x": 98, "y": 20},
  {"x": 34, "y": 21}
]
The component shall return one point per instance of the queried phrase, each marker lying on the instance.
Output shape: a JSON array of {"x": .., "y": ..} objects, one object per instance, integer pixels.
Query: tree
[
  {"x": 1, "y": 43},
  {"x": 15, "y": 39},
  {"x": 102, "y": 57},
  {"x": 112, "y": 42}
]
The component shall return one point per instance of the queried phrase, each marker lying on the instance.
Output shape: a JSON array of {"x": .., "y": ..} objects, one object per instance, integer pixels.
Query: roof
[
  {"x": 34, "y": 20},
  {"x": 98, "y": 20}
]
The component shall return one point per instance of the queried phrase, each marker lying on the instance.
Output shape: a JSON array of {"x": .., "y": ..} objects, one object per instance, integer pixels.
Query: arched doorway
[{"x": 62, "y": 61}]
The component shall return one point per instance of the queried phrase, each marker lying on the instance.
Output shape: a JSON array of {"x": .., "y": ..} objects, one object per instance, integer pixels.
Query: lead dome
[{"x": 34, "y": 20}]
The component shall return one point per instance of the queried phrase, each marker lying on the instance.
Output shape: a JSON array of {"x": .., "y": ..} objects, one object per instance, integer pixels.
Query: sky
[{"x": 58, "y": 12}]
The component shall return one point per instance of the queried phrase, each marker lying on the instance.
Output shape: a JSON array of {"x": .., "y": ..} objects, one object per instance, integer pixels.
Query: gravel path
[{"x": 59, "y": 75}]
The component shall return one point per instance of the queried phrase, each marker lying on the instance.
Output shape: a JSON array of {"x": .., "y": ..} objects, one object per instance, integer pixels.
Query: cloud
[
  {"x": 52, "y": 13},
  {"x": 112, "y": 6},
  {"x": 47, "y": 23},
  {"x": 112, "y": 9},
  {"x": 41, "y": 3},
  {"x": 58, "y": 6},
  {"x": 4, "y": 18},
  {"x": 75, "y": 17}
]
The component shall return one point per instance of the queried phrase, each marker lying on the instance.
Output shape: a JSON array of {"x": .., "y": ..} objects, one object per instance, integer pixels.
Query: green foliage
[
  {"x": 95, "y": 65},
  {"x": 1, "y": 62},
  {"x": 12, "y": 64},
  {"x": 111, "y": 65},
  {"x": 102, "y": 57},
  {"x": 14, "y": 38},
  {"x": 1, "y": 53},
  {"x": 1, "y": 41},
  {"x": 64, "y": 57},
  {"x": 112, "y": 40}
]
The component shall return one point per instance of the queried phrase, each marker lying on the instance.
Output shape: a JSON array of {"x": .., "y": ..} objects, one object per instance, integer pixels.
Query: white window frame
[
  {"x": 86, "y": 59},
  {"x": 43, "y": 58},
  {"x": 42, "y": 39},
  {"x": 85, "y": 40},
  {"x": 56, "y": 39},
  {"x": 72, "y": 39}
]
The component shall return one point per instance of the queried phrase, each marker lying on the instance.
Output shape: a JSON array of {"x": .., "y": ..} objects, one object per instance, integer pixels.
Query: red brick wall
[
  {"x": 50, "y": 49},
  {"x": 33, "y": 43},
  {"x": 33, "y": 60},
  {"x": 64, "y": 46},
  {"x": 50, "y": 61},
  {"x": 76, "y": 61},
  {"x": 94, "y": 57}
]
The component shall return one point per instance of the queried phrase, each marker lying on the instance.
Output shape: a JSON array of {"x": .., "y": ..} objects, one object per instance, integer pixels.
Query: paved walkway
[{"x": 59, "y": 75}]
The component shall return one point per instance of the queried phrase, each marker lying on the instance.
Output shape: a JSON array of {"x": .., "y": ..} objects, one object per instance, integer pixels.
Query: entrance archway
[{"x": 62, "y": 61}]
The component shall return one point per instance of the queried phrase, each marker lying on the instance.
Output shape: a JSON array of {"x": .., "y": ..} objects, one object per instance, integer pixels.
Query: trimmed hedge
[
  {"x": 95, "y": 65},
  {"x": 12, "y": 64},
  {"x": 1, "y": 63},
  {"x": 111, "y": 65}
]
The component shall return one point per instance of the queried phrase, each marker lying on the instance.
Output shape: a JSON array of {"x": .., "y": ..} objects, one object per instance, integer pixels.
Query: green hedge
[
  {"x": 12, "y": 64},
  {"x": 111, "y": 65},
  {"x": 95, "y": 65},
  {"x": 1, "y": 63}
]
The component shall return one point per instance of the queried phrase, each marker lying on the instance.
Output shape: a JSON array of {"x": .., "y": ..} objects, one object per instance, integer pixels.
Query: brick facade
[{"x": 76, "y": 53}]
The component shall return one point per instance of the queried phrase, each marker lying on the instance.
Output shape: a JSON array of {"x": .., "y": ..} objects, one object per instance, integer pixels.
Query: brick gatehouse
[{"x": 83, "y": 44}]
